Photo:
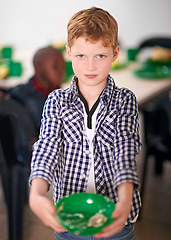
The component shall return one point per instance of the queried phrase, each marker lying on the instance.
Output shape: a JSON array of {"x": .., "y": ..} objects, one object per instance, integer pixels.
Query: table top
[
  {"x": 6, "y": 84},
  {"x": 145, "y": 89}
]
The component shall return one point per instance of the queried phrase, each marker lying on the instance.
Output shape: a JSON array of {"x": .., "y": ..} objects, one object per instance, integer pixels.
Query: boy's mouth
[{"x": 91, "y": 76}]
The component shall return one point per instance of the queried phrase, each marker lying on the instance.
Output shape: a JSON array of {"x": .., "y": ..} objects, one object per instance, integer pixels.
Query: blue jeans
[{"x": 127, "y": 233}]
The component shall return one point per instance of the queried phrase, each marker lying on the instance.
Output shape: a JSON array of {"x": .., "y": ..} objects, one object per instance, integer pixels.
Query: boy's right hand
[
  {"x": 45, "y": 210},
  {"x": 43, "y": 207}
]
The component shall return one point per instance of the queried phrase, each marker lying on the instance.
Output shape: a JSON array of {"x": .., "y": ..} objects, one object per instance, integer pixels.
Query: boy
[
  {"x": 89, "y": 136},
  {"x": 49, "y": 66}
]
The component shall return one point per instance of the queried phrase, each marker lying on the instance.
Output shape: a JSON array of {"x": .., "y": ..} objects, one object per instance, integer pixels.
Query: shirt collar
[
  {"x": 105, "y": 96},
  {"x": 108, "y": 91},
  {"x": 39, "y": 88}
]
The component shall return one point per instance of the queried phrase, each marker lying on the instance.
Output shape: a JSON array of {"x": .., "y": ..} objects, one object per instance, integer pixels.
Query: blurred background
[
  {"x": 26, "y": 26},
  {"x": 29, "y": 25}
]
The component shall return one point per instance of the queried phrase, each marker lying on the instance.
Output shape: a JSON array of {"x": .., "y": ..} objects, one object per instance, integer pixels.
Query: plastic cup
[
  {"x": 15, "y": 69},
  {"x": 132, "y": 53},
  {"x": 6, "y": 52}
]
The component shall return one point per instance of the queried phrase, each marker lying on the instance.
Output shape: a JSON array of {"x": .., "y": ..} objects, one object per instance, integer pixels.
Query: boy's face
[
  {"x": 91, "y": 62},
  {"x": 52, "y": 70}
]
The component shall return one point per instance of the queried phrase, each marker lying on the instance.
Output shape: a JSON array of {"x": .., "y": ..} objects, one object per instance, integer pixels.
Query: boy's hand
[
  {"x": 121, "y": 212},
  {"x": 121, "y": 215},
  {"x": 45, "y": 210},
  {"x": 42, "y": 206}
]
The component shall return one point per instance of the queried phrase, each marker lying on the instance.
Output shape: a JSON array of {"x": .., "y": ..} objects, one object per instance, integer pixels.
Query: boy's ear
[
  {"x": 116, "y": 53},
  {"x": 37, "y": 69},
  {"x": 68, "y": 49}
]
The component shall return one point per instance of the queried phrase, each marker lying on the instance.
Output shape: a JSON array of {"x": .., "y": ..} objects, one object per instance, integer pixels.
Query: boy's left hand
[{"x": 120, "y": 214}]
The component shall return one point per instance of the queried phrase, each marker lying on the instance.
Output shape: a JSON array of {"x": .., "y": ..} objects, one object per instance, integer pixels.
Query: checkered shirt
[{"x": 62, "y": 151}]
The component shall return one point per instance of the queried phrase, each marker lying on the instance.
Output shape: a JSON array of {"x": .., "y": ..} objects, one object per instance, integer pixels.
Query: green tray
[
  {"x": 154, "y": 70},
  {"x": 145, "y": 73},
  {"x": 84, "y": 213}
]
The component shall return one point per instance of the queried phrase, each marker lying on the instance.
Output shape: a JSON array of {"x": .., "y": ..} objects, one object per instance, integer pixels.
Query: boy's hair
[
  {"x": 94, "y": 24},
  {"x": 42, "y": 53}
]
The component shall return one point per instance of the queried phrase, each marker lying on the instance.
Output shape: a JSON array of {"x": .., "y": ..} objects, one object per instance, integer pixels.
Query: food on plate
[
  {"x": 161, "y": 54},
  {"x": 4, "y": 71}
]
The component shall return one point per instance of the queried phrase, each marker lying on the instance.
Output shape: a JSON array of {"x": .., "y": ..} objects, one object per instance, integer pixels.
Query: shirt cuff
[
  {"x": 126, "y": 175},
  {"x": 43, "y": 174}
]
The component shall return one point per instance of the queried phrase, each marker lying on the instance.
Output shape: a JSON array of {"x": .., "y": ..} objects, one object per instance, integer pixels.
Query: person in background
[
  {"x": 89, "y": 136},
  {"x": 49, "y": 66}
]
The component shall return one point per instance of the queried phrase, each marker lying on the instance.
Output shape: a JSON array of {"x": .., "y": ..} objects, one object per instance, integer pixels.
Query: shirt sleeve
[
  {"x": 127, "y": 141},
  {"x": 46, "y": 151}
]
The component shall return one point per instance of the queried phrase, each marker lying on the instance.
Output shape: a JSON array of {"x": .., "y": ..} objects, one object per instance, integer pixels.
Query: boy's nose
[{"x": 91, "y": 65}]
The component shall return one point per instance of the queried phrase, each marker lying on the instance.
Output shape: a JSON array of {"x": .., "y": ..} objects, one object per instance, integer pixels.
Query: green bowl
[{"x": 84, "y": 213}]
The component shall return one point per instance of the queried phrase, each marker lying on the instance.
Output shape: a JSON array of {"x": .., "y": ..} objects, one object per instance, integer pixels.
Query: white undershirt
[{"x": 90, "y": 134}]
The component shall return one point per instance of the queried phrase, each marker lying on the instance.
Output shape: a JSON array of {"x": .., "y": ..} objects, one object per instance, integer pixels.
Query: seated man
[{"x": 49, "y": 73}]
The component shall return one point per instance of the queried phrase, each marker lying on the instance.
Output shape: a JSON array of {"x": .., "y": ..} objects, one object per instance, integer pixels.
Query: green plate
[
  {"x": 158, "y": 73},
  {"x": 84, "y": 213},
  {"x": 154, "y": 70}
]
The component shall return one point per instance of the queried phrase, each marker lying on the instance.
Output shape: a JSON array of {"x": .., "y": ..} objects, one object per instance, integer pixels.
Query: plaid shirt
[{"x": 62, "y": 151}]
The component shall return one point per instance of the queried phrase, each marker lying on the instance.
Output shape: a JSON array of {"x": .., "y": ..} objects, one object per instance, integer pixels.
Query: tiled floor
[{"x": 155, "y": 222}]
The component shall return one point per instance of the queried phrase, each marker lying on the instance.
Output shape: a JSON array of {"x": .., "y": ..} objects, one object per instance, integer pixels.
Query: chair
[
  {"x": 157, "y": 130},
  {"x": 16, "y": 131},
  {"x": 156, "y": 41}
]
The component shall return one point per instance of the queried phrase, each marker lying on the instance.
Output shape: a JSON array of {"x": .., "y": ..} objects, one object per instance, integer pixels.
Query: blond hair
[{"x": 93, "y": 24}]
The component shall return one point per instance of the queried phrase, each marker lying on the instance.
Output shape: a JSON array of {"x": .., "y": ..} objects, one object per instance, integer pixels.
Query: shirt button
[
  {"x": 70, "y": 116},
  {"x": 83, "y": 176},
  {"x": 108, "y": 119},
  {"x": 87, "y": 152}
]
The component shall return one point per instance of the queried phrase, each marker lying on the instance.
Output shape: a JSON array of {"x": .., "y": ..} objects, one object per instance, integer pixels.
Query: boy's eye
[
  {"x": 80, "y": 56},
  {"x": 101, "y": 56},
  {"x": 55, "y": 66}
]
